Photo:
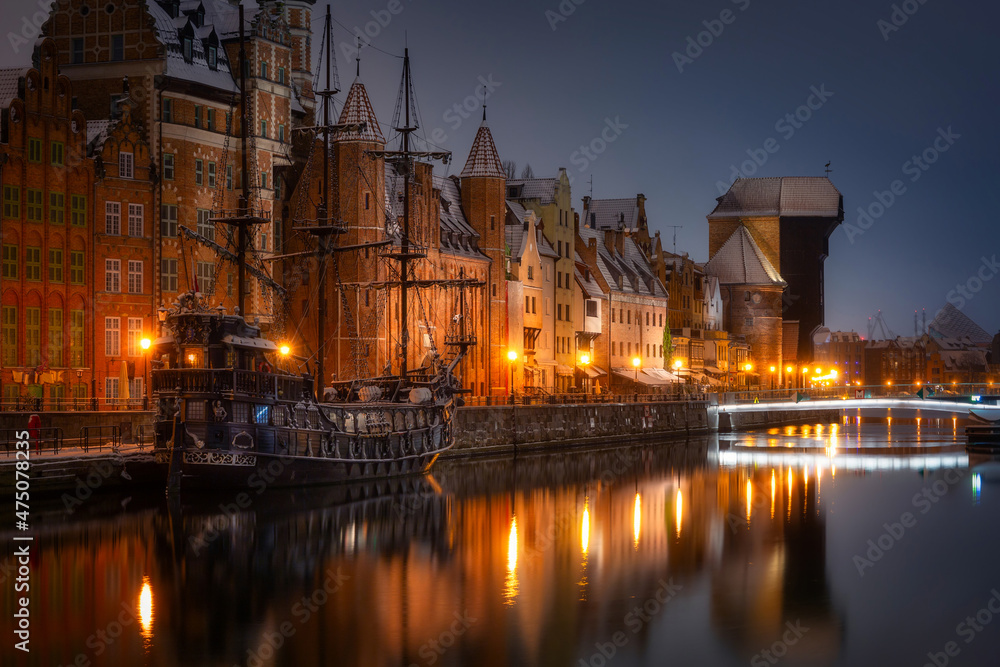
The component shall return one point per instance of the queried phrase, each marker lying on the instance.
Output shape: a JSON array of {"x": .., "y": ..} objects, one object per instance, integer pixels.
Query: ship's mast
[
  {"x": 405, "y": 245},
  {"x": 241, "y": 227},
  {"x": 324, "y": 210}
]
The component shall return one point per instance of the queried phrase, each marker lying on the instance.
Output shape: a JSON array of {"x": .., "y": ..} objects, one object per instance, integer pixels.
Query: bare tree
[
  {"x": 510, "y": 168},
  {"x": 527, "y": 172}
]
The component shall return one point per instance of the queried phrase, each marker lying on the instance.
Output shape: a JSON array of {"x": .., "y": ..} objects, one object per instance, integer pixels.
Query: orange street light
[
  {"x": 512, "y": 357},
  {"x": 284, "y": 349}
]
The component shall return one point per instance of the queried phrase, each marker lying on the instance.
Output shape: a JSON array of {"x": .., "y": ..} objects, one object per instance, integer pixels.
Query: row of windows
[
  {"x": 33, "y": 206},
  {"x": 113, "y": 276},
  {"x": 112, "y": 336},
  {"x": 204, "y": 119},
  {"x": 560, "y": 309},
  {"x": 113, "y": 219},
  {"x": 625, "y": 317},
  {"x": 10, "y": 265},
  {"x": 117, "y": 49},
  {"x": 33, "y": 337},
  {"x": 57, "y": 152},
  {"x": 624, "y": 349},
  {"x": 205, "y": 226}
]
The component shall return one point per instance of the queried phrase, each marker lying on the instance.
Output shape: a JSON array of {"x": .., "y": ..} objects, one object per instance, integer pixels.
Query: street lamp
[
  {"x": 584, "y": 360},
  {"x": 677, "y": 373},
  {"x": 144, "y": 344},
  {"x": 636, "y": 362},
  {"x": 772, "y": 377},
  {"x": 512, "y": 357}
]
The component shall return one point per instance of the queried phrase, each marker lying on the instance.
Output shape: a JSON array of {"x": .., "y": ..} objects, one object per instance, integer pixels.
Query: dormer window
[
  {"x": 200, "y": 17},
  {"x": 188, "y": 49},
  {"x": 213, "y": 56},
  {"x": 125, "y": 165}
]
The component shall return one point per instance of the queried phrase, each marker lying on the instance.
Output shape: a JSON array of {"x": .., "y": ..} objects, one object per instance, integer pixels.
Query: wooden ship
[{"x": 229, "y": 412}]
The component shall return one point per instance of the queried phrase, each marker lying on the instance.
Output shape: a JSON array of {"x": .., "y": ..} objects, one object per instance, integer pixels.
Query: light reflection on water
[{"x": 543, "y": 560}]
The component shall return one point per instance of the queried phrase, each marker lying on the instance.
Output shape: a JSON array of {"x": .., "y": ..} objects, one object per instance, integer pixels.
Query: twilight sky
[{"x": 681, "y": 116}]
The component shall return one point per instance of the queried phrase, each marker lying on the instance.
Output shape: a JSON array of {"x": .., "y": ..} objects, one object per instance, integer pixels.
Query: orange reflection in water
[
  {"x": 637, "y": 520},
  {"x": 511, "y": 585},
  {"x": 146, "y": 610},
  {"x": 679, "y": 511}
]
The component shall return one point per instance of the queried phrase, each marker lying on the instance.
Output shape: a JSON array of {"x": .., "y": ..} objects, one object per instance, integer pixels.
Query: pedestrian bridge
[{"x": 959, "y": 407}]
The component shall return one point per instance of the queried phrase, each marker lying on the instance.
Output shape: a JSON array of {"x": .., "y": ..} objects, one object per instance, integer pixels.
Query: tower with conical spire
[
  {"x": 483, "y": 185},
  {"x": 357, "y": 198}
]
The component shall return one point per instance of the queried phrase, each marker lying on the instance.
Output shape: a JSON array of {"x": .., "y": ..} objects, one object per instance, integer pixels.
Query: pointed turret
[
  {"x": 483, "y": 185},
  {"x": 358, "y": 109},
  {"x": 483, "y": 161}
]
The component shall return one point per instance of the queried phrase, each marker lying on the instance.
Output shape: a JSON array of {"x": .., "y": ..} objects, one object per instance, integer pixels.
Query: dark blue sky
[{"x": 687, "y": 129}]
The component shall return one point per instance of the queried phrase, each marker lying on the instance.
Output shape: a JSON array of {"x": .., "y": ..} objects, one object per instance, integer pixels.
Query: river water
[{"x": 826, "y": 544}]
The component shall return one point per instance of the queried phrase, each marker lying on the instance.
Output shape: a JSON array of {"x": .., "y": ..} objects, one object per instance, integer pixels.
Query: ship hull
[
  {"x": 274, "y": 457},
  {"x": 194, "y": 469}
]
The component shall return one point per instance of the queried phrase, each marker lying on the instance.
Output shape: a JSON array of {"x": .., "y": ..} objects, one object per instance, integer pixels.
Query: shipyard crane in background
[{"x": 878, "y": 323}]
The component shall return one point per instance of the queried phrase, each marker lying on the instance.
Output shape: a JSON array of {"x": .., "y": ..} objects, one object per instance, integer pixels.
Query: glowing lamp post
[
  {"x": 677, "y": 372},
  {"x": 512, "y": 357},
  {"x": 584, "y": 360},
  {"x": 636, "y": 362},
  {"x": 145, "y": 344}
]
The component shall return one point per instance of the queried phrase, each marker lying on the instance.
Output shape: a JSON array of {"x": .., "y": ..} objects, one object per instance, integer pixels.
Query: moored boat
[{"x": 231, "y": 413}]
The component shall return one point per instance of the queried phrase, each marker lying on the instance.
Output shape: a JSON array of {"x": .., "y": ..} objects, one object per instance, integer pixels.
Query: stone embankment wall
[
  {"x": 480, "y": 430},
  {"x": 128, "y": 422},
  {"x": 741, "y": 421}
]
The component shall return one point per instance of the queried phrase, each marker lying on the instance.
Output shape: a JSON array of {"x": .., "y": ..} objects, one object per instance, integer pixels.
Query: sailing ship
[{"x": 230, "y": 414}]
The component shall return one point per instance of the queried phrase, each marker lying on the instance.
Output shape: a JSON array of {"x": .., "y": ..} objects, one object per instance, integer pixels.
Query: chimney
[
  {"x": 620, "y": 242},
  {"x": 609, "y": 240}
]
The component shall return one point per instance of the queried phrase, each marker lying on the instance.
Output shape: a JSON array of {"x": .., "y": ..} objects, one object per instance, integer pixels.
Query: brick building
[
  {"x": 123, "y": 274},
  {"x": 843, "y": 351},
  {"x": 46, "y": 346},
  {"x": 457, "y": 223},
  {"x": 751, "y": 302}
]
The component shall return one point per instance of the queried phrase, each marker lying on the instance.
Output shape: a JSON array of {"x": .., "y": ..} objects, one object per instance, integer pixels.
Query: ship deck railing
[
  {"x": 579, "y": 398},
  {"x": 228, "y": 380}
]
